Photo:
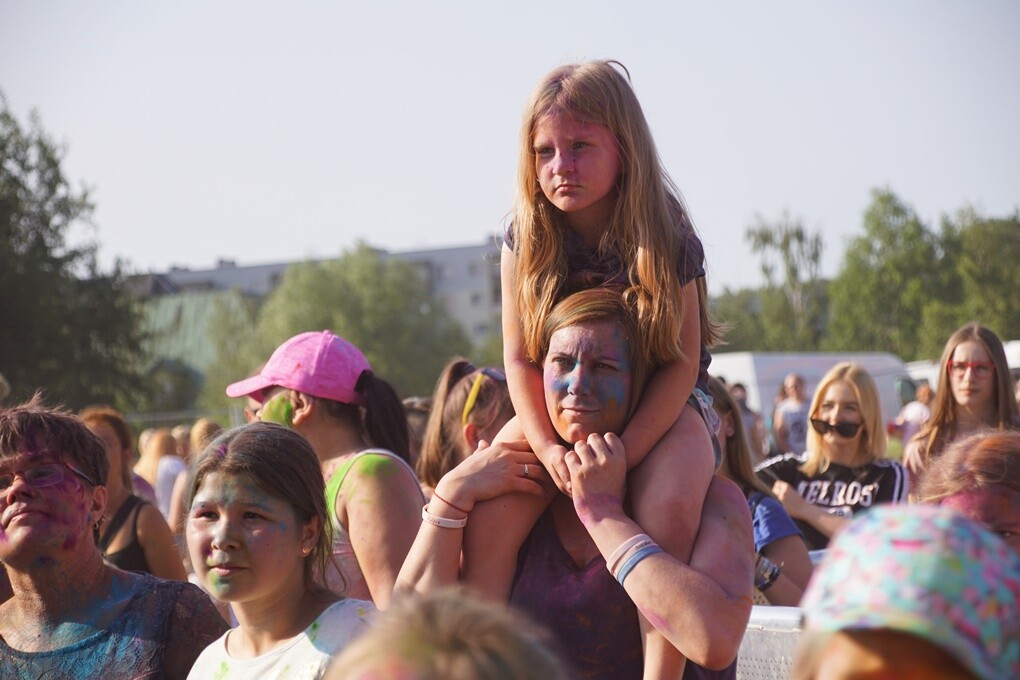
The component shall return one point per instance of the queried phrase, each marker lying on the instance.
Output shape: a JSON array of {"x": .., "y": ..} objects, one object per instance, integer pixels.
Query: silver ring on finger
[{"x": 525, "y": 469}]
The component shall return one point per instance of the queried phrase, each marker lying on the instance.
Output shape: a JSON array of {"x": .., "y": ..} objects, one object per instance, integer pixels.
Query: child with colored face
[
  {"x": 912, "y": 591},
  {"x": 594, "y": 209},
  {"x": 979, "y": 477},
  {"x": 259, "y": 534}
]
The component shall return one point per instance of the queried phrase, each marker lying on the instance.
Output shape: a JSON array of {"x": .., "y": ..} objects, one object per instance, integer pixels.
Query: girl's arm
[
  {"x": 668, "y": 389},
  {"x": 798, "y": 508},
  {"x": 701, "y": 609},
  {"x": 380, "y": 504},
  {"x": 158, "y": 545},
  {"x": 524, "y": 380},
  {"x": 434, "y": 559}
]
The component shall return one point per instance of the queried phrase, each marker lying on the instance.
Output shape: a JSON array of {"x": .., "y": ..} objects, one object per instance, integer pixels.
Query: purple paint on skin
[{"x": 596, "y": 501}]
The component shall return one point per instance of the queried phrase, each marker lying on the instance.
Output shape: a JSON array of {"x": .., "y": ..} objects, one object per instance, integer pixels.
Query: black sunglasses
[{"x": 844, "y": 430}]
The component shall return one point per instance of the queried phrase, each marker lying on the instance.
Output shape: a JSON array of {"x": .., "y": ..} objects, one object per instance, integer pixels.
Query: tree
[
  {"x": 741, "y": 313},
  {"x": 381, "y": 305},
  {"x": 889, "y": 276},
  {"x": 796, "y": 319},
  {"x": 235, "y": 323},
  {"x": 988, "y": 262},
  {"x": 66, "y": 326}
]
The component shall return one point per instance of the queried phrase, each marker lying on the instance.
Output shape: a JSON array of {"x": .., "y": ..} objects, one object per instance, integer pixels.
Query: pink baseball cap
[{"x": 321, "y": 364}]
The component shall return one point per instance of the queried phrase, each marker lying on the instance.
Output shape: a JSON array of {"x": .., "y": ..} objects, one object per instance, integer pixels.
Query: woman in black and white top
[{"x": 844, "y": 470}]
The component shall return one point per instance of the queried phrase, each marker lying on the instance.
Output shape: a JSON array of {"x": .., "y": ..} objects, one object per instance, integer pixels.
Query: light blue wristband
[{"x": 633, "y": 560}]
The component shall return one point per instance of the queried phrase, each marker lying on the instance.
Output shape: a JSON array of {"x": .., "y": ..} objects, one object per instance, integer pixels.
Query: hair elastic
[
  {"x": 611, "y": 563},
  {"x": 435, "y": 495},
  {"x": 442, "y": 522},
  {"x": 634, "y": 559}
]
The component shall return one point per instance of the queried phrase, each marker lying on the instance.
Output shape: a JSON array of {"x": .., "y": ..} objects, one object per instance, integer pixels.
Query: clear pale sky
[{"x": 265, "y": 132}]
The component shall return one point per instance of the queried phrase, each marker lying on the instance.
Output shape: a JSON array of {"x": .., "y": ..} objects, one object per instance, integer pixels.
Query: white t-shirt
[{"x": 305, "y": 657}]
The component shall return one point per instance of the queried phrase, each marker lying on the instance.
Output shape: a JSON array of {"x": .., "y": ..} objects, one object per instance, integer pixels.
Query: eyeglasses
[
  {"x": 981, "y": 369},
  {"x": 844, "y": 430},
  {"x": 41, "y": 476},
  {"x": 476, "y": 387}
]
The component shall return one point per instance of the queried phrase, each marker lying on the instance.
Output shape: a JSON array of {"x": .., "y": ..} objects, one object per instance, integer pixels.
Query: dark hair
[
  {"x": 33, "y": 424},
  {"x": 283, "y": 464},
  {"x": 440, "y": 448},
  {"x": 381, "y": 417},
  {"x": 114, "y": 419}
]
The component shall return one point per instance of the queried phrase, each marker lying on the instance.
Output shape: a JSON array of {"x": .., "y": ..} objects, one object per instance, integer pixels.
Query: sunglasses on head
[{"x": 844, "y": 430}]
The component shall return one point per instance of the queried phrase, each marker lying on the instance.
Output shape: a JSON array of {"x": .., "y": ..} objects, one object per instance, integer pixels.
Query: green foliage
[
  {"x": 989, "y": 267},
  {"x": 67, "y": 327},
  {"x": 381, "y": 305},
  {"x": 904, "y": 288},
  {"x": 489, "y": 352},
  {"x": 232, "y": 330},
  {"x": 792, "y": 306},
  {"x": 888, "y": 276}
]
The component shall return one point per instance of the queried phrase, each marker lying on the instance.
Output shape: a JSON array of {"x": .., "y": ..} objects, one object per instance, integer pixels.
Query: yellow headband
[{"x": 472, "y": 397}]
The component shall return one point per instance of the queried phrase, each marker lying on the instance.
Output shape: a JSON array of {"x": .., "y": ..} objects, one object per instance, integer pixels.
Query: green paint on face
[{"x": 278, "y": 410}]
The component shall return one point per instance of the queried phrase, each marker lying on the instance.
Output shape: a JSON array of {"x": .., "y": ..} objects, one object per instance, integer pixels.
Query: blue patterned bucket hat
[{"x": 927, "y": 571}]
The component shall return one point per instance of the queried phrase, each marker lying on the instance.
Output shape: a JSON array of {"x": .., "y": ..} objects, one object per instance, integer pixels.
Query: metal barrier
[{"x": 769, "y": 644}]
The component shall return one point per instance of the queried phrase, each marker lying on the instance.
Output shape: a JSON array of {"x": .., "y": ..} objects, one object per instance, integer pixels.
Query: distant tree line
[
  {"x": 903, "y": 286},
  {"x": 74, "y": 330}
]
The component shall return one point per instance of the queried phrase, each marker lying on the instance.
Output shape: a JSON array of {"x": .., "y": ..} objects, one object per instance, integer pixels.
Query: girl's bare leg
[{"x": 667, "y": 491}]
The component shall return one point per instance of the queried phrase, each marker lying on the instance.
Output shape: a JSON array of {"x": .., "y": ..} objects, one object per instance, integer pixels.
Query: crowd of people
[{"x": 598, "y": 507}]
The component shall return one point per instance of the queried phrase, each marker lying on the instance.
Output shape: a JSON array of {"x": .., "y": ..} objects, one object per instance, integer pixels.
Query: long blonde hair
[
  {"x": 647, "y": 229},
  {"x": 940, "y": 429},
  {"x": 873, "y": 439},
  {"x": 159, "y": 444}
]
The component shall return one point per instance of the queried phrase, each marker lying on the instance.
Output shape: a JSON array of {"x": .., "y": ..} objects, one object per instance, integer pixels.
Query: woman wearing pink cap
[{"x": 323, "y": 387}]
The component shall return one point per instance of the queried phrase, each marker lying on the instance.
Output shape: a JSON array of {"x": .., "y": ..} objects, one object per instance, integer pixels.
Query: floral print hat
[{"x": 929, "y": 572}]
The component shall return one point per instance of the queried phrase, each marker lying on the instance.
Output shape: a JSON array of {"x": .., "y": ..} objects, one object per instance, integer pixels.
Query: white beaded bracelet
[{"x": 442, "y": 522}]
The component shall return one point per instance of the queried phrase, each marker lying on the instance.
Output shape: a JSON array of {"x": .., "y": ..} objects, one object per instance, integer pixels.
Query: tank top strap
[
  {"x": 118, "y": 519},
  {"x": 336, "y": 480}
]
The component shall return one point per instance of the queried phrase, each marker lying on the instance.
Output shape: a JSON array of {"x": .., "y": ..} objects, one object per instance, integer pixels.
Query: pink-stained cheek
[{"x": 990, "y": 506}]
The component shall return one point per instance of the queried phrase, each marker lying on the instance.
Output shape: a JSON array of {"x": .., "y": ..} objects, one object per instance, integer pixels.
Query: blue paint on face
[{"x": 587, "y": 376}]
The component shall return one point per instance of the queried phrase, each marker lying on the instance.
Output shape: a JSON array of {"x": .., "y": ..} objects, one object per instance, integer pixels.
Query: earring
[{"x": 305, "y": 551}]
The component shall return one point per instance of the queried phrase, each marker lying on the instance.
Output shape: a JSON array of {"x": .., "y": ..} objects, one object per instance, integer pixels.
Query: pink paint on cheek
[{"x": 988, "y": 506}]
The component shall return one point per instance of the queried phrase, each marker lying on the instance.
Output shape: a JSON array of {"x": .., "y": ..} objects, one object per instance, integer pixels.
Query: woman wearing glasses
[
  {"x": 72, "y": 615},
  {"x": 843, "y": 471},
  {"x": 975, "y": 391},
  {"x": 469, "y": 405}
]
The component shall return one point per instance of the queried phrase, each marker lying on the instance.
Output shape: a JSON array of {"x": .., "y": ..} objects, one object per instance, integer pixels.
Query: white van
[{"x": 763, "y": 372}]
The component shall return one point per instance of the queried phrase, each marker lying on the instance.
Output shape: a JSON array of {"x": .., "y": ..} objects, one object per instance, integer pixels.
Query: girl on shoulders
[
  {"x": 595, "y": 208},
  {"x": 258, "y": 533},
  {"x": 844, "y": 470}
]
